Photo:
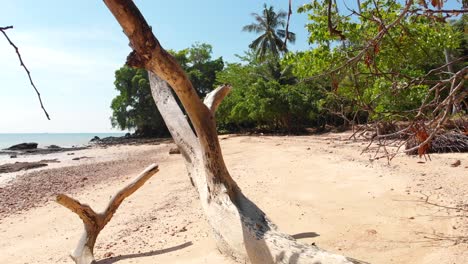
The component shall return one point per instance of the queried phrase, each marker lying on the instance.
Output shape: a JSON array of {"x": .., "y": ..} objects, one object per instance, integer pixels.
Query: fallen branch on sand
[{"x": 95, "y": 222}]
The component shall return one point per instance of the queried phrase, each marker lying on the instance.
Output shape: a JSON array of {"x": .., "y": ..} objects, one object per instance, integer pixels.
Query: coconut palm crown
[{"x": 271, "y": 27}]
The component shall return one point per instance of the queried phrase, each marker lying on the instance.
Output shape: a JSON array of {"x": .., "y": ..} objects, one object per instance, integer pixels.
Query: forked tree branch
[
  {"x": 3, "y": 29},
  {"x": 241, "y": 229},
  {"x": 95, "y": 222},
  {"x": 149, "y": 54}
]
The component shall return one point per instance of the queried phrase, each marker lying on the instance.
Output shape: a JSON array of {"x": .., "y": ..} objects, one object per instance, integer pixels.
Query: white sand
[{"x": 367, "y": 210}]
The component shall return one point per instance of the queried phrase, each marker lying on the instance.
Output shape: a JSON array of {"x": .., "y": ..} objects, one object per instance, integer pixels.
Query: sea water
[{"x": 47, "y": 139}]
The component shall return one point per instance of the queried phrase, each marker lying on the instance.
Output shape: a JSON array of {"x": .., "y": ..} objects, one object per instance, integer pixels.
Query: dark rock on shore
[
  {"x": 23, "y": 146},
  {"x": 95, "y": 138},
  {"x": 18, "y": 166},
  {"x": 40, "y": 151},
  {"x": 129, "y": 140},
  {"x": 175, "y": 150},
  {"x": 79, "y": 158}
]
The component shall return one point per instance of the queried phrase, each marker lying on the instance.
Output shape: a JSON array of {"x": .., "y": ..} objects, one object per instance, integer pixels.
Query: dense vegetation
[
  {"x": 348, "y": 76},
  {"x": 134, "y": 108}
]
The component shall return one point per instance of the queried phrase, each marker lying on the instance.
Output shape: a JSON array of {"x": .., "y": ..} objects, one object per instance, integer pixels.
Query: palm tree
[{"x": 271, "y": 38}]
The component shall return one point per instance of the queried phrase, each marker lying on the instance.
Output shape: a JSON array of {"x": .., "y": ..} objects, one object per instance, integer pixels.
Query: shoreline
[{"x": 60, "y": 157}]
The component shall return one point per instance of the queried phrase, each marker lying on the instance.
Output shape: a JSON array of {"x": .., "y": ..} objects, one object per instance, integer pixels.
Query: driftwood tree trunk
[{"x": 241, "y": 229}]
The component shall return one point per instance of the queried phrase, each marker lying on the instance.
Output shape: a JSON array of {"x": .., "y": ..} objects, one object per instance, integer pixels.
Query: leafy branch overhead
[{"x": 379, "y": 65}]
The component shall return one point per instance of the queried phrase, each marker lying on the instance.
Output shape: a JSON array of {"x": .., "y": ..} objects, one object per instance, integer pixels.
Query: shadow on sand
[
  {"x": 305, "y": 235},
  {"x": 146, "y": 254}
]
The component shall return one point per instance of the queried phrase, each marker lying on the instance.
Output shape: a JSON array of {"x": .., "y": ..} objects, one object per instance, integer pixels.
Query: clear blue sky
[{"x": 74, "y": 47}]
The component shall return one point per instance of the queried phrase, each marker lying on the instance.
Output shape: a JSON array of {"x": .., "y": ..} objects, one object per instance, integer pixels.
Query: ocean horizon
[{"x": 47, "y": 139}]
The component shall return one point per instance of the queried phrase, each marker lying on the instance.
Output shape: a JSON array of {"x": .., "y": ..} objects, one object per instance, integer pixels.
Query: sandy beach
[{"x": 318, "y": 188}]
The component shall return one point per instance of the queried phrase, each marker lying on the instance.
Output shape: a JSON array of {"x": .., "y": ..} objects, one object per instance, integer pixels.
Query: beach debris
[
  {"x": 23, "y": 146},
  {"x": 175, "y": 150},
  {"x": 14, "y": 156},
  {"x": 443, "y": 143},
  {"x": 79, "y": 158},
  {"x": 50, "y": 161},
  {"x": 19, "y": 166},
  {"x": 456, "y": 163},
  {"x": 109, "y": 254}
]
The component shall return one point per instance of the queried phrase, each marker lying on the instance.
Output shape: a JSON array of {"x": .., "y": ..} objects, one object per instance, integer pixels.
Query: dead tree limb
[
  {"x": 242, "y": 230},
  {"x": 95, "y": 222},
  {"x": 3, "y": 29},
  {"x": 286, "y": 35},
  {"x": 215, "y": 97}
]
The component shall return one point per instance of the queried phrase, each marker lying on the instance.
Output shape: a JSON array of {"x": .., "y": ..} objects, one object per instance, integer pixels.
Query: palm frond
[
  {"x": 278, "y": 42},
  {"x": 291, "y": 35},
  {"x": 255, "y": 44},
  {"x": 253, "y": 28}
]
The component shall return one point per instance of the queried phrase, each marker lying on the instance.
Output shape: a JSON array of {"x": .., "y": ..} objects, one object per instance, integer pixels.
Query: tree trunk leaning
[{"x": 241, "y": 229}]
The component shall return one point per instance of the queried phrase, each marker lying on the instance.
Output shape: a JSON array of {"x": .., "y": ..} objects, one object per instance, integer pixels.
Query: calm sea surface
[{"x": 46, "y": 139}]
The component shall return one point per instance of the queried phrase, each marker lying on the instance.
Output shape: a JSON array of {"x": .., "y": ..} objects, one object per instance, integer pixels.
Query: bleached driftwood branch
[
  {"x": 215, "y": 97},
  {"x": 241, "y": 229},
  {"x": 95, "y": 222}
]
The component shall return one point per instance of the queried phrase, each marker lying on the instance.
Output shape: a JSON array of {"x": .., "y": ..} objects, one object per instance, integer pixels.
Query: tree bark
[{"x": 241, "y": 229}]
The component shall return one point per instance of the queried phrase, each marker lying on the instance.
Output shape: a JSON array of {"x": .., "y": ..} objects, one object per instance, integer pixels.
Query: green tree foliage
[
  {"x": 381, "y": 81},
  {"x": 199, "y": 66},
  {"x": 134, "y": 108},
  {"x": 266, "y": 96},
  {"x": 277, "y": 93},
  {"x": 270, "y": 25}
]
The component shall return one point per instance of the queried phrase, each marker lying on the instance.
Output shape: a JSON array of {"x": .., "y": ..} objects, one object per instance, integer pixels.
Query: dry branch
[
  {"x": 95, "y": 222},
  {"x": 215, "y": 97},
  {"x": 286, "y": 35},
  {"x": 3, "y": 29}
]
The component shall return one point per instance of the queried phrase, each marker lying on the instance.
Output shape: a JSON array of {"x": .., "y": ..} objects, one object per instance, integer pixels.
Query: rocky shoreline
[
  {"x": 88, "y": 167},
  {"x": 31, "y": 148}
]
